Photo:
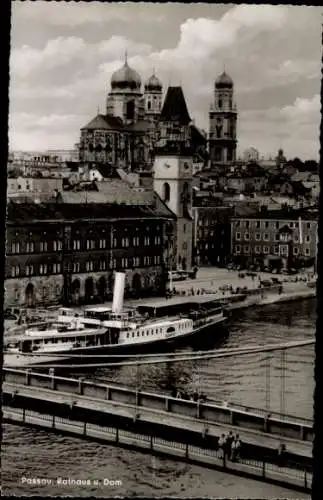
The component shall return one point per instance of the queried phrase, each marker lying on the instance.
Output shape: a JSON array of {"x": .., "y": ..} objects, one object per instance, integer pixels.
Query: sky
[{"x": 63, "y": 55}]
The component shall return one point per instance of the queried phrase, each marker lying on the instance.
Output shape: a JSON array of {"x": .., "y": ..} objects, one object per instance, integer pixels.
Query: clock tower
[{"x": 173, "y": 174}]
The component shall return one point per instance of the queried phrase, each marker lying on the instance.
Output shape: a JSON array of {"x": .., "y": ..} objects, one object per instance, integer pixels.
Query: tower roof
[
  {"x": 224, "y": 80},
  {"x": 125, "y": 77},
  {"x": 174, "y": 108},
  {"x": 153, "y": 83}
]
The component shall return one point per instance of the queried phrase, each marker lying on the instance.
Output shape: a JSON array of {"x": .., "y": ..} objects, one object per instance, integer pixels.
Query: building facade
[
  {"x": 223, "y": 122},
  {"x": 256, "y": 239},
  {"x": 60, "y": 253}
]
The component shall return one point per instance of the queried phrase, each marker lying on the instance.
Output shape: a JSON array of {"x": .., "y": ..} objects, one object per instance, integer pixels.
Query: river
[{"x": 254, "y": 380}]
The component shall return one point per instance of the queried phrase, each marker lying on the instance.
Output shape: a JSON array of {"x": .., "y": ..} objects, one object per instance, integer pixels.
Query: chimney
[{"x": 118, "y": 293}]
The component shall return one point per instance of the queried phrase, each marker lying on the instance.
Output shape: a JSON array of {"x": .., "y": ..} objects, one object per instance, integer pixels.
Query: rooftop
[{"x": 175, "y": 108}]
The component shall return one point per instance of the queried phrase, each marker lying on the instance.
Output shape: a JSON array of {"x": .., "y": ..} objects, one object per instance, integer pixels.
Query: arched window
[
  {"x": 166, "y": 192},
  {"x": 130, "y": 110},
  {"x": 149, "y": 105}
]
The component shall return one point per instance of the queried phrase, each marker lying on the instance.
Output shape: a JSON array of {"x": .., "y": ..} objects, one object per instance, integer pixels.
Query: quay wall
[
  {"x": 262, "y": 469},
  {"x": 283, "y": 425}
]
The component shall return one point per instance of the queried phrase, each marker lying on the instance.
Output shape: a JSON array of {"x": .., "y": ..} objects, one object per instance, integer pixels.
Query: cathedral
[{"x": 141, "y": 130}]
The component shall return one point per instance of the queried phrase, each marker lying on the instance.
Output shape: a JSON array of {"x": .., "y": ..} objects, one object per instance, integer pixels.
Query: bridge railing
[
  {"x": 288, "y": 426},
  {"x": 300, "y": 477}
]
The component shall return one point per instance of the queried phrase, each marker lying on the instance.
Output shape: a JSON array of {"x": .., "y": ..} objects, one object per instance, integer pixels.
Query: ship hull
[{"x": 91, "y": 355}]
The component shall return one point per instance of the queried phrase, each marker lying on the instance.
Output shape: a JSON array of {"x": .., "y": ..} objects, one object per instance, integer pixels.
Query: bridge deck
[{"x": 157, "y": 416}]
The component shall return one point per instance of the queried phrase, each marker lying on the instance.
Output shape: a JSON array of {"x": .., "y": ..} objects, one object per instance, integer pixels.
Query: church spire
[{"x": 126, "y": 57}]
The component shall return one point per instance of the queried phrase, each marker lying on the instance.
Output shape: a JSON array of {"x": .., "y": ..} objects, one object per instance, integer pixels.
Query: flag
[{"x": 300, "y": 230}]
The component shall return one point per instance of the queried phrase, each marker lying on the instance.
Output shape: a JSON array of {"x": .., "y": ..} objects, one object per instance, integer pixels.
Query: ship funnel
[{"x": 118, "y": 292}]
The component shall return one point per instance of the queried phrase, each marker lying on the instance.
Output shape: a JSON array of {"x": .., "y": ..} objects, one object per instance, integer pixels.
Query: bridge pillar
[
  {"x": 53, "y": 380},
  {"x": 80, "y": 386},
  {"x": 167, "y": 404},
  {"x": 266, "y": 423},
  {"x": 302, "y": 433},
  {"x": 198, "y": 410},
  {"x": 232, "y": 417},
  {"x": 27, "y": 379},
  {"x": 108, "y": 393}
]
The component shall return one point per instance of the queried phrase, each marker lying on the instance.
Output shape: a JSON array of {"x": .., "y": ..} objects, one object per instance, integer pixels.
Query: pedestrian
[
  {"x": 281, "y": 452},
  {"x": 236, "y": 447},
  {"x": 228, "y": 444},
  {"x": 221, "y": 444}
]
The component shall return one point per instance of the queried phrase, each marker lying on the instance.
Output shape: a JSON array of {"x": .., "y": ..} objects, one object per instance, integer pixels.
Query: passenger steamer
[{"x": 112, "y": 331}]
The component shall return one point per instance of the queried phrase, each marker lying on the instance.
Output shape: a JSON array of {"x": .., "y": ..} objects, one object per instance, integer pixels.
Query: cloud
[
  {"x": 73, "y": 14},
  {"x": 70, "y": 73}
]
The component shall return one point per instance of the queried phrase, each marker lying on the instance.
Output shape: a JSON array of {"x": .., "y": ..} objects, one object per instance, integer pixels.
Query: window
[
  {"x": 246, "y": 249},
  {"x": 266, "y": 249},
  {"x": 258, "y": 224},
  {"x": 30, "y": 247},
  {"x": 166, "y": 192},
  {"x": 295, "y": 251},
  {"x": 184, "y": 228},
  {"x": 276, "y": 249},
  {"x": 238, "y": 223},
  {"x": 308, "y": 225},
  {"x": 147, "y": 241},
  {"x": 307, "y": 251},
  {"x": 114, "y": 263},
  {"x": 266, "y": 236},
  {"x": 277, "y": 224},
  {"x": 238, "y": 236},
  {"x": 90, "y": 244},
  {"x": 76, "y": 244},
  {"x": 102, "y": 243},
  {"x": 184, "y": 245},
  {"x": 277, "y": 237},
  {"x": 76, "y": 267},
  {"x": 57, "y": 245},
  {"x": 291, "y": 224},
  {"x": 135, "y": 241},
  {"x": 158, "y": 239},
  {"x": 124, "y": 262},
  {"x": 102, "y": 265},
  {"x": 247, "y": 224},
  {"x": 43, "y": 269},
  {"x": 136, "y": 261},
  {"x": 238, "y": 248},
  {"x": 258, "y": 236},
  {"x": 15, "y": 247},
  {"x": 296, "y": 238},
  {"x": 29, "y": 270},
  {"x": 266, "y": 224},
  {"x": 114, "y": 243},
  {"x": 284, "y": 249},
  {"x": 56, "y": 268},
  {"x": 247, "y": 236},
  {"x": 15, "y": 271},
  {"x": 89, "y": 265},
  {"x": 43, "y": 246},
  {"x": 125, "y": 242},
  {"x": 307, "y": 239},
  {"x": 257, "y": 249}
]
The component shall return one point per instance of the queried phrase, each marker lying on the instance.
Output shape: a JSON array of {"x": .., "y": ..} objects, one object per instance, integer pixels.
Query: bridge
[{"x": 160, "y": 423}]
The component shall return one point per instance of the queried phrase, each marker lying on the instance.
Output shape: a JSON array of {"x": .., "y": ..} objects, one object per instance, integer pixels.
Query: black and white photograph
[{"x": 161, "y": 250}]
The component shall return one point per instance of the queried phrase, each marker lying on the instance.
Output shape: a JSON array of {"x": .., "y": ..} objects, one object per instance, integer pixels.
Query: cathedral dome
[
  {"x": 153, "y": 83},
  {"x": 224, "y": 80},
  {"x": 126, "y": 77}
]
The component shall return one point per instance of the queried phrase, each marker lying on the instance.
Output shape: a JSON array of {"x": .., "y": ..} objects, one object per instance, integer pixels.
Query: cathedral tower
[
  {"x": 223, "y": 122},
  {"x": 153, "y": 98},
  {"x": 125, "y": 99}
]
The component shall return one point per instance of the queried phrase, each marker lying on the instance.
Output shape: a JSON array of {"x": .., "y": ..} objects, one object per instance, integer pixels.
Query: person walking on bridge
[
  {"x": 228, "y": 445},
  {"x": 221, "y": 444}
]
